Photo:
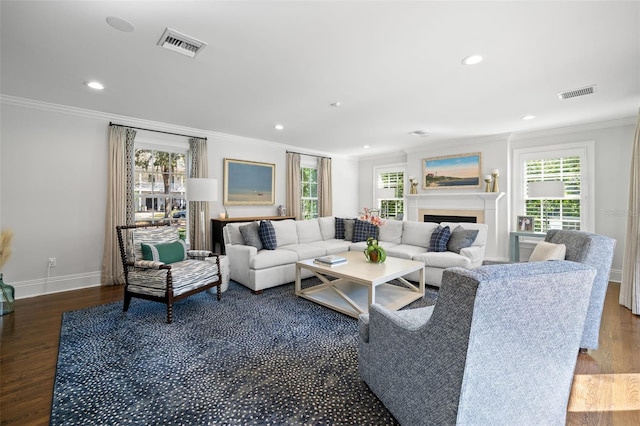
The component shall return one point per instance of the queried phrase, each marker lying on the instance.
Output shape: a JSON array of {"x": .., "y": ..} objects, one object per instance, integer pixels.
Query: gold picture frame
[
  {"x": 452, "y": 171},
  {"x": 249, "y": 183}
]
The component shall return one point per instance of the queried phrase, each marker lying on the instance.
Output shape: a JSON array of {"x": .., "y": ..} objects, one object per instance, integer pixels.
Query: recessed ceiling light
[
  {"x": 472, "y": 60},
  {"x": 336, "y": 104},
  {"x": 94, "y": 85},
  {"x": 528, "y": 117},
  {"x": 366, "y": 147},
  {"x": 120, "y": 24},
  {"x": 278, "y": 127}
]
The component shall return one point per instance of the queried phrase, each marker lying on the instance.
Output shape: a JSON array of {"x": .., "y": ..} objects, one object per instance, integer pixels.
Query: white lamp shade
[
  {"x": 202, "y": 189},
  {"x": 546, "y": 189}
]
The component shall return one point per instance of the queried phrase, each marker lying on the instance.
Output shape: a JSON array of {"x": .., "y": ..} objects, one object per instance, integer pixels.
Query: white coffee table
[{"x": 359, "y": 283}]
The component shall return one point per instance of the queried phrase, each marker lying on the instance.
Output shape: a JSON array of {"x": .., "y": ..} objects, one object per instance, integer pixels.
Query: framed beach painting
[
  {"x": 249, "y": 183},
  {"x": 452, "y": 172}
]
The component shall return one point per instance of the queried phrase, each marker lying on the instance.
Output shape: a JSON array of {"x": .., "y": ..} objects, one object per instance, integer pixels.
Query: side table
[{"x": 514, "y": 242}]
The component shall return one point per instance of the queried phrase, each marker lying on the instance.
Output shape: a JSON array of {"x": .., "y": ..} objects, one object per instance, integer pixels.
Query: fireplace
[
  {"x": 439, "y": 218},
  {"x": 469, "y": 207}
]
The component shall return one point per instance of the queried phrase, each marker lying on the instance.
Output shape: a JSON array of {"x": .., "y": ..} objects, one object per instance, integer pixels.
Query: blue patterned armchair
[
  {"x": 499, "y": 347},
  {"x": 158, "y": 267},
  {"x": 593, "y": 250}
]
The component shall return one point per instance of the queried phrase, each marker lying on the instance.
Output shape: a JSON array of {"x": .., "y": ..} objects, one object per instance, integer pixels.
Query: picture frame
[
  {"x": 452, "y": 171},
  {"x": 248, "y": 183},
  {"x": 525, "y": 223}
]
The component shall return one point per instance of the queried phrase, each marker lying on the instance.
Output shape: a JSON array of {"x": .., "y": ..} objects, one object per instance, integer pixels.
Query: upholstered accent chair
[
  {"x": 499, "y": 347},
  {"x": 593, "y": 250},
  {"x": 158, "y": 267}
]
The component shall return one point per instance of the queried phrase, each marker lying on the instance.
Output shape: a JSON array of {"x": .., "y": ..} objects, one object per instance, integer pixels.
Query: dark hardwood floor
[{"x": 29, "y": 349}]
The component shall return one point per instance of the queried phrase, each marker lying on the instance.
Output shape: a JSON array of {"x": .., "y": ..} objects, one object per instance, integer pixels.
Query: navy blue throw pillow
[
  {"x": 267, "y": 235},
  {"x": 363, "y": 230},
  {"x": 439, "y": 239},
  {"x": 339, "y": 228}
]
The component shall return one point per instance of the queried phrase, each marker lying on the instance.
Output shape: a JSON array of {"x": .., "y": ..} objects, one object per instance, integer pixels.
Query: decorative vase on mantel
[{"x": 7, "y": 297}]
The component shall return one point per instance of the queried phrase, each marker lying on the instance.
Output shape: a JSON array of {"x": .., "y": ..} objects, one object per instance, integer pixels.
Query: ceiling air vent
[
  {"x": 181, "y": 43},
  {"x": 577, "y": 92},
  {"x": 420, "y": 133}
]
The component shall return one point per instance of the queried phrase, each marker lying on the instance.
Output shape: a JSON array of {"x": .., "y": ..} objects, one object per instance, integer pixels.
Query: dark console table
[{"x": 219, "y": 223}]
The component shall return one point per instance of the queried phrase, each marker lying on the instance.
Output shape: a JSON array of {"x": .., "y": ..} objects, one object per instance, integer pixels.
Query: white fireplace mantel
[{"x": 459, "y": 201}]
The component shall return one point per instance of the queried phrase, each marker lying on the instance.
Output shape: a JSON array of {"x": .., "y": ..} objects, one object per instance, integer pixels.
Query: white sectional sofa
[{"x": 308, "y": 239}]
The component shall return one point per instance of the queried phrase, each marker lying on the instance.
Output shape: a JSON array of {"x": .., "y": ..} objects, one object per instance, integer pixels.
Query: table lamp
[
  {"x": 203, "y": 190},
  {"x": 545, "y": 191}
]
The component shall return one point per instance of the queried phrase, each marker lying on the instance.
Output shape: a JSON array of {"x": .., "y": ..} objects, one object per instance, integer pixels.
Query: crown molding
[
  {"x": 139, "y": 122},
  {"x": 574, "y": 128}
]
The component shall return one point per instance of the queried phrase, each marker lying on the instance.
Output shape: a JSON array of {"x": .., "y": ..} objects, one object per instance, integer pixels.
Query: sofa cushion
[
  {"x": 548, "y": 251},
  {"x": 286, "y": 232},
  {"x": 308, "y": 231},
  {"x": 481, "y": 239},
  {"x": 327, "y": 227},
  {"x": 340, "y": 228},
  {"x": 270, "y": 258},
  {"x": 166, "y": 253},
  {"x": 404, "y": 251},
  {"x": 461, "y": 238},
  {"x": 304, "y": 251},
  {"x": 391, "y": 231},
  {"x": 251, "y": 234},
  {"x": 333, "y": 245},
  {"x": 268, "y": 235},
  {"x": 362, "y": 230},
  {"x": 445, "y": 259},
  {"x": 348, "y": 229},
  {"x": 152, "y": 235},
  {"x": 439, "y": 239},
  {"x": 232, "y": 230},
  {"x": 360, "y": 246},
  {"x": 417, "y": 233}
]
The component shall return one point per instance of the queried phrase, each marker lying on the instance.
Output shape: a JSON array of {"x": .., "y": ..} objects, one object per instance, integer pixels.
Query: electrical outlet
[{"x": 52, "y": 262}]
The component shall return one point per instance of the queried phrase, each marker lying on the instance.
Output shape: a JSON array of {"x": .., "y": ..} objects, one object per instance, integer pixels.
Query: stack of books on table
[{"x": 330, "y": 260}]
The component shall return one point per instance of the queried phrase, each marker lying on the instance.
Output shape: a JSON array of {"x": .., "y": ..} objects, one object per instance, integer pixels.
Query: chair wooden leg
[
  {"x": 169, "y": 313},
  {"x": 127, "y": 301},
  {"x": 219, "y": 290},
  {"x": 256, "y": 291}
]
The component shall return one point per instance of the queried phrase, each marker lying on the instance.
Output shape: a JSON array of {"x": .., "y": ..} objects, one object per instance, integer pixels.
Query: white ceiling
[{"x": 395, "y": 66}]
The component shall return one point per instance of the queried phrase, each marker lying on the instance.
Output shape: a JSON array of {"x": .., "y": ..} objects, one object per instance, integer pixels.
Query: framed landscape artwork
[
  {"x": 248, "y": 183},
  {"x": 452, "y": 172}
]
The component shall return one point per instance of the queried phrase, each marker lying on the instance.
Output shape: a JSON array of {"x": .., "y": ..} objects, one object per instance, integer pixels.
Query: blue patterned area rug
[{"x": 248, "y": 359}]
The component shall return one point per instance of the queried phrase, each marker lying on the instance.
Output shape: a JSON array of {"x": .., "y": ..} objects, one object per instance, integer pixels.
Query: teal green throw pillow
[{"x": 165, "y": 253}]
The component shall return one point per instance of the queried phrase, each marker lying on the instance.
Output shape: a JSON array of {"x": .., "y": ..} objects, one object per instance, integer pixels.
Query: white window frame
[
  {"x": 307, "y": 162},
  {"x": 173, "y": 146},
  {"x": 584, "y": 150},
  {"x": 389, "y": 168}
]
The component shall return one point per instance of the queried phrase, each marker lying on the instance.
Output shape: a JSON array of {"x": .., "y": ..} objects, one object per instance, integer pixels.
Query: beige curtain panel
[
  {"x": 293, "y": 185},
  {"x": 119, "y": 200},
  {"x": 630, "y": 286},
  {"x": 199, "y": 169},
  {"x": 325, "y": 197}
]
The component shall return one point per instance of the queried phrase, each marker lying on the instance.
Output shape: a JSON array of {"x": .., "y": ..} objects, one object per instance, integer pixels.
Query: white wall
[
  {"x": 494, "y": 156},
  {"x": 613, "y": 144},
  {"x": 53, "y": 173}
]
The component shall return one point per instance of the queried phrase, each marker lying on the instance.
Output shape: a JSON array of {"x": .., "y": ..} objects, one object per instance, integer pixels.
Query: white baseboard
[
  {"x": 50, "y": 285},
  {"x": 615, "y": 275}
]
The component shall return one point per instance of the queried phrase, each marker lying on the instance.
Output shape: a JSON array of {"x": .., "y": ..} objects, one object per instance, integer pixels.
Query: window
[
  {"x": 389, "y": 193},
  {"x": 159, "y": 186},
  {"x": 309, "y": 192},
  {"x": 569, "y": 164}
]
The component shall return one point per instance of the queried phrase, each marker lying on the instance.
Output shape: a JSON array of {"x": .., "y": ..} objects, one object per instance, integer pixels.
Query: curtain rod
[
  {"x": 157, "y": 131},
  {"x": 310, "y": 155}
]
